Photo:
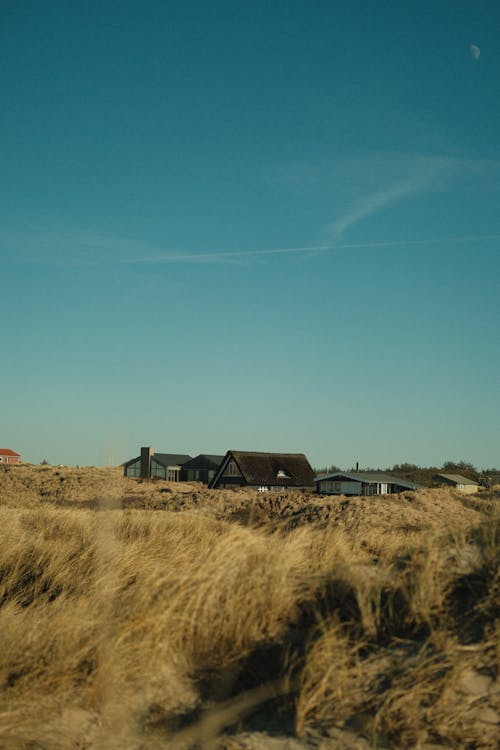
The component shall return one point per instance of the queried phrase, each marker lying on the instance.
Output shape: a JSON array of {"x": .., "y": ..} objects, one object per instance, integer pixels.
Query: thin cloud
[
  {"x": 224, "y": 256},
  {"x": 96, "y": 257},
  {"x": 388, "y": 180},
  {"x": 426, "y": 173},
  {"x": 374, "y": 203},
  {"x": 422, "y": 174}
]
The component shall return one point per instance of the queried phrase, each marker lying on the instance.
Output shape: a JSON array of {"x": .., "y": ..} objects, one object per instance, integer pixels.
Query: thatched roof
[{"x": 271, "y": 469}]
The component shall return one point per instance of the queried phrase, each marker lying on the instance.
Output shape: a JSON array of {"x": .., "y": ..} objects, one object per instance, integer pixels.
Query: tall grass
[{"x": 140, "y": 628}]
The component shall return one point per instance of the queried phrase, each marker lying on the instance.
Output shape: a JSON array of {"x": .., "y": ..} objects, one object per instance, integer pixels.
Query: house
[
  {"x": 8, "y": 456},
  {"x": 202, "y": 468},
  {"x": 264, "y": 471},
  {"x": 458, "y": 482},
  {"x": 361, "y": 483},
  {"x": 161, "y": 465}
]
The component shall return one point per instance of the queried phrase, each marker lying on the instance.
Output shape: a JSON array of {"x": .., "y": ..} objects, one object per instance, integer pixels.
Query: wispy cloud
[
  {"x": 96, "y": 254},
  {"x": 395, "y": 180},
  {"x": 363, "y": 187},
  {"x": 233, "y": 256},
  {"x": 371, "y": 204}
]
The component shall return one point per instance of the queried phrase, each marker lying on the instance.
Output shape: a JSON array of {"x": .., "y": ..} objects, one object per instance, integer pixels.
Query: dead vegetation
[{"x": 151, "y": 615}]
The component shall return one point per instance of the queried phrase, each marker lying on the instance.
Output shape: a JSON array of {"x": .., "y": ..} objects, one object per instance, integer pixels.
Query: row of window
[{"x": 170, "y": 474}]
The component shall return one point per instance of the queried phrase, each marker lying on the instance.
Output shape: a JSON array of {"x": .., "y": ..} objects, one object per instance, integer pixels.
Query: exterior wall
[
  {"x": 9, "y": 459},
  {"x": 225, "y": 483},
  {"x": 278, "y": 488},
  {"x": 350, "y": 487},
  {"x": 228, "y": 482},
  {"x": 169, "y": 473},
  {"x": 157, "y": 470},
  {"x": 232, "y": 477},
  {"x": 468, "y": 489},
  {"x": 344, "y": 487},
  {"x": 200, "y": 469},
  {"x": 199, "y": 475},
  {"x": 378, "y": 488}
]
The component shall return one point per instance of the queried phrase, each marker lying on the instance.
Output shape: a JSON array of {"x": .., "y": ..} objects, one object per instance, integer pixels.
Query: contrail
[
  {"x": 221, "y": 255},
  {"x": 92, "y": 258}
]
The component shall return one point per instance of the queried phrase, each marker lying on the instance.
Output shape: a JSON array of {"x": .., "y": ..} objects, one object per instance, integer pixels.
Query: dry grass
[{"x": 149, "y": 615}]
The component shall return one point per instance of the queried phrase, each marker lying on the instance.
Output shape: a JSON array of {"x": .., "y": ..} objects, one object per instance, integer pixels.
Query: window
[
  {"x": 134, "y": 470},
  {"x": 157, "y": 470},
  {"x": 282, "y": 474},
  {"x": 232, "y": 470}
]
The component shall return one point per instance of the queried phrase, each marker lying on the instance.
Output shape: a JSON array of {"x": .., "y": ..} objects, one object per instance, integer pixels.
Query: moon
[{"x": 475, "y": 51}]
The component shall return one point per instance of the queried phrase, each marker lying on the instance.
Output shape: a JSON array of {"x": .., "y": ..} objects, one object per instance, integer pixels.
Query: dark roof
[
  {"x": 131, "y": 461},
  {"x": 165, "y": 459},
  {"x": 454, "y": 478},
  {"x": 369, "y": 477},
  {"x": 170, "y": 459},
  {"x": 8, "y": 452},
  {"x": 203, "y": 459},
  {"x": 285, "y": 469}
]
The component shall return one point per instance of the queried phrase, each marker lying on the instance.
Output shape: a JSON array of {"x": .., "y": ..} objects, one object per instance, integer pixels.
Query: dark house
[
  {"x": 264, "y": 471},
  {"x": 361, "y": 483},
  {"x": 160, "y": 465},
  {"x": 203, "y": 468}
]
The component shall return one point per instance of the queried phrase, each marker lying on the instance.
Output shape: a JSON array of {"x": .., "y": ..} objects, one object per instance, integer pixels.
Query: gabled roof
[
  {"x": 455, "y": 478},
  {"x": 214, "y": 459},
  {"x": 368, "y": 477},
  {"x": 170, "y": 459},
  {"x": 206, "y": 458},
  {"x": 8, "y": 452},
  {"x": 270, "y": 469}
]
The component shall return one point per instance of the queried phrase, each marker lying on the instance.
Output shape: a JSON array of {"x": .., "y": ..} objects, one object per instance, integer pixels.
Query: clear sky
[{"x": 250, "y": 225}]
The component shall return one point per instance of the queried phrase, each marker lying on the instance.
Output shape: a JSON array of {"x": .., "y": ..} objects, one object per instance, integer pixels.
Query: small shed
[
  {"x": 8, "y": 456},
  {"x": 361, "y": 483},
  {"x": 264, "y": 471},
  {"x": 458, "y": 482}
]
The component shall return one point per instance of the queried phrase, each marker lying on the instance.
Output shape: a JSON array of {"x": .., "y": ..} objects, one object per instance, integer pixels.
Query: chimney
[
  {"x": 146, "y": 454},
  {"x": 357, "y": 466}
]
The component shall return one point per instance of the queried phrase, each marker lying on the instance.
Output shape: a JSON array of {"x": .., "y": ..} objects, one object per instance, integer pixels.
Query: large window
[
  {"x": 232, "y": 470},
  {"x": 158, "y": 470},
  {"x": 134, "y": 470}
]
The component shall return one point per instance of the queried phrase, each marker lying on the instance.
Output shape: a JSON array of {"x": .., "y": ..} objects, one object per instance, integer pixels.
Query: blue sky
[{"x": 258, "y": 226}]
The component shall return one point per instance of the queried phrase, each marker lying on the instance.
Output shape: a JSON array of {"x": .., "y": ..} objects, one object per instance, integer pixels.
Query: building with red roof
[{"x": 7, "y": 456}]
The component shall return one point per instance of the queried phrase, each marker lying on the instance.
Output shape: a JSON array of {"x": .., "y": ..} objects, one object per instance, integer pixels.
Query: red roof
[{"x": 8, "y": 452}]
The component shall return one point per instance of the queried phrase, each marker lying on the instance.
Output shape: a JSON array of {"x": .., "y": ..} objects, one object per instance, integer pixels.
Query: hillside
[{"x": 151, "y": 615}]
